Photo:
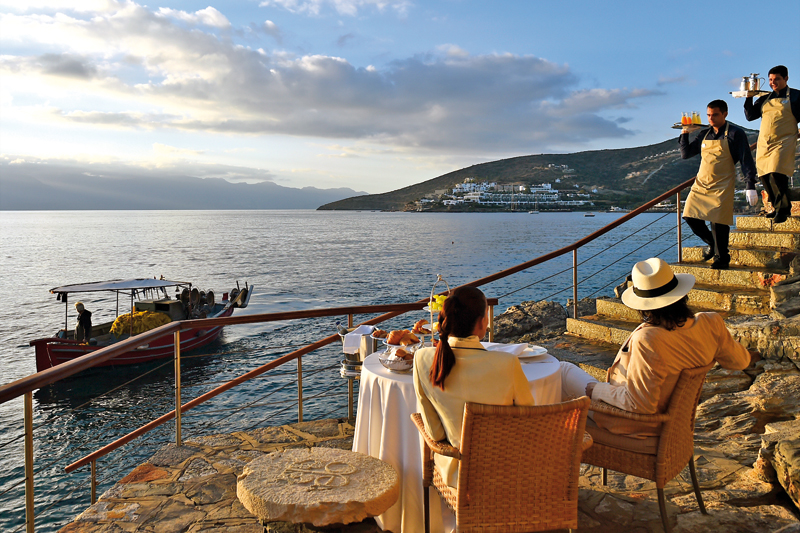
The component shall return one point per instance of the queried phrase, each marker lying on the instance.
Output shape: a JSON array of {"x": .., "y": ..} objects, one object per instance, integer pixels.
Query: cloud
[
  {"x": 662, "y": 80},
  {"x": 165, "y": 149},
  {"x": 452, "y": 50},
  {"x": 67, "y": 66},
  {"x": 344, "y": 39},
  {"x": 151, "y": 72},
  {"x": 208, "y": 17},
  {"x": 342, "y": 7}
]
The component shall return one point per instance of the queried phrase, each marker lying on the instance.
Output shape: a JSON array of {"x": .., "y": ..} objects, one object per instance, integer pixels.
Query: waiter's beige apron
[
  {"x": 777, "y": 138},
  {"x": 711, "y": 197}
]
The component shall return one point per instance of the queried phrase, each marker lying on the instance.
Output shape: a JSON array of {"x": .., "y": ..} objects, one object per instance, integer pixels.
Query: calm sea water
[{"x": 295, "y": 260}]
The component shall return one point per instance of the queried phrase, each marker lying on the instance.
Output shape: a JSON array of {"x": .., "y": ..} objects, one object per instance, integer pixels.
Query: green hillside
[{"x": 624, "y": 177}]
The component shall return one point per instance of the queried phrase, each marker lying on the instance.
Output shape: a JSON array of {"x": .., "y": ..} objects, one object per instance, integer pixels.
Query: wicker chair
[
  {"x": 674, "y": 446},
  {"x": 518, "y": 468}
]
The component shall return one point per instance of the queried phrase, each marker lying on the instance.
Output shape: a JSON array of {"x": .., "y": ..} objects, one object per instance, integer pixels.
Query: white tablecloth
[{"x": 384, "y": 430}]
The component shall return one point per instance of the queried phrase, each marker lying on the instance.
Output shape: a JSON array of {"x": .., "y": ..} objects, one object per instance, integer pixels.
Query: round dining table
[{"x": 386, "y": 401}]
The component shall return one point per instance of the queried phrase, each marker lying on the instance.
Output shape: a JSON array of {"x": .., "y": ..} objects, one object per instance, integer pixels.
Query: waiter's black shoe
[
  {"x": 782, "y": 215},
  {"x": 708, "y": 253},
  {"x": 721, "y": 264}
]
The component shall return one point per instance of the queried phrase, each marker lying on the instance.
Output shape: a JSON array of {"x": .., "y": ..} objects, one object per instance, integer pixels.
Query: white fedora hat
[{"x": 655, "y": 286}]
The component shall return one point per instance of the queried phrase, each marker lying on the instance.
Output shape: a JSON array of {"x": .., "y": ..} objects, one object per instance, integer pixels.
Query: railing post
[
  {"x": 350, "y": 321},
  {"x": 575, "y": 283},
  {"x": 29, "y": 511},
  {"x": 177, "y": 340},
  {"x": 350, "y": 415},
  {"x": 491, "y": 323},
  {"x": 680, "y": 239},
  {"x": 94, "y": 482},
  {"x": 300, "y": 389}
]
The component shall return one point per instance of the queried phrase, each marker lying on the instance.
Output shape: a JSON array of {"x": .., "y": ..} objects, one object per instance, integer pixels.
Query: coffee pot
[
  {"x": 745, "y": 84},
  {"x": 754, "y": 82}
]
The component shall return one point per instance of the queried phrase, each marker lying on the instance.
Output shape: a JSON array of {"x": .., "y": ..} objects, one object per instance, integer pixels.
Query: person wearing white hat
[
  {"x": 83, "y": 331},
  {"x": 671, "y": 338}
]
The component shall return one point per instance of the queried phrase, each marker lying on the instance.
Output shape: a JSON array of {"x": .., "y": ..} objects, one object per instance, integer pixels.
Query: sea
[{"x": 291, "y": 260}]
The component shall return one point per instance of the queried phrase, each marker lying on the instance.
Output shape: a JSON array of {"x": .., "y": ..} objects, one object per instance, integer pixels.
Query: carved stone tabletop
[{"x": 320, "y": 486}]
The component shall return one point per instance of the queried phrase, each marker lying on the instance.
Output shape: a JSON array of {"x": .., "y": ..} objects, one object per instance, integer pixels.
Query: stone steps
[
  {"x": 761, "y": 255},
  {"x": 749, "y": 223},
  {"x": 760, "y": 239},
  {"x": 602, "y": 328},
  {"x": 723, "y": 300},
  {"x": 763, "y": 258},
  {"x": 735, "y": 277}
]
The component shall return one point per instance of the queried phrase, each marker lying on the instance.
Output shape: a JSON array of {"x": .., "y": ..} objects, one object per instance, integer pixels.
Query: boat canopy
[{"x": 119, "y": 285}]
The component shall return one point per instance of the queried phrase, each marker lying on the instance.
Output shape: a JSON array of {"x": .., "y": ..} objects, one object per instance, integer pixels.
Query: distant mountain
[
  {"x": 46, "y": 187},
  {"x": 623, "y": 177}
]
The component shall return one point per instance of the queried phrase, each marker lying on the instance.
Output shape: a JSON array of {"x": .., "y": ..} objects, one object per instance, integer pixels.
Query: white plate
[{"x": 533, "y": 351}]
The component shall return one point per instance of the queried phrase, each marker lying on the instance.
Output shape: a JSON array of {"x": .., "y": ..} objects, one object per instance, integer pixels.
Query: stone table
[{"x": 319, "y": 486}]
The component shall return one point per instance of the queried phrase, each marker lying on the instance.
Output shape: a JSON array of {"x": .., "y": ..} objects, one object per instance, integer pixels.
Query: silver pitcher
[
  {"x": 745, "y": 84},
  {"x": 755, "y": 82}
]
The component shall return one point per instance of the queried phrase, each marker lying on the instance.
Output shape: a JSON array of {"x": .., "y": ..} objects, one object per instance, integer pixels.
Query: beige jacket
[
  {"x": 648, "y": 365},
  {"x": 479, "y": 375}
]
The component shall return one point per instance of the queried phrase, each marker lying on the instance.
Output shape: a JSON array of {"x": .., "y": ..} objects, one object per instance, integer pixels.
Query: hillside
[
  {"x": 624, "y": 177},
  {"x": 40, "y": 187}
]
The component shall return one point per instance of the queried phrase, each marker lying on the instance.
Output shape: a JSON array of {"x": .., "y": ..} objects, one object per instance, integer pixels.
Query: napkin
[
  {"x": 352, "y": 341},
  {"x": 515, "y": 349}
]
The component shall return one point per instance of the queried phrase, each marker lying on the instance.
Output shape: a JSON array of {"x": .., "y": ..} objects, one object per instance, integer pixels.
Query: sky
[{"x": 373, "y": 95}]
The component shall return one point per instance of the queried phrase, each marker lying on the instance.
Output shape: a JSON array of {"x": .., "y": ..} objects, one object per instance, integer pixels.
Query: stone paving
[{"x": 192, "y": 489}]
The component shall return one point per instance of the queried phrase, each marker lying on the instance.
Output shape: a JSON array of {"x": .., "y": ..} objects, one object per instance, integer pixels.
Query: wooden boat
[{"x": 151, "y": 294}]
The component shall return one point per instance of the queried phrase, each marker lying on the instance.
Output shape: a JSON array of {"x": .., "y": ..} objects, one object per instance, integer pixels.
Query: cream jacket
[
  {"x": 648, "y": 365},
  {"x": 479, "y": 375}
]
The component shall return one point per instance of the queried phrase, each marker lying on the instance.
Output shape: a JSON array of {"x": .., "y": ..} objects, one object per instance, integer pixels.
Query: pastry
[{"x": 420, "y": 328}]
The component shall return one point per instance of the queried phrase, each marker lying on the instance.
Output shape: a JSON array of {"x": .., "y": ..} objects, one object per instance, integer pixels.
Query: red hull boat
[{"x": 191, "y": 303}]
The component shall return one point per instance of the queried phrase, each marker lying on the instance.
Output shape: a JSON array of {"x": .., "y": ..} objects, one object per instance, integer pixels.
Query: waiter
[
  {"x": 711, "y": 199},
  {"x": 779, "y": 112}
]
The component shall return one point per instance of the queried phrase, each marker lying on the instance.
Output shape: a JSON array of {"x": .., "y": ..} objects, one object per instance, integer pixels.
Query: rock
[
  {"x": 538, "y": 319},
  {"x": 171, "y": 455},
  {"x": 785, "y": 298},
  {"x": 774, "y": 433},
  {"x": 791, "y": 528},
  {"x": 320, "y": 486},
  {"x": 787, "y": 467},
  {"x": 721, "y": 380},
  {"x": 775, "y": 339},
  {"x": 732, "y": 519},
  {"x": 586, "y": 307},
  {"x": 786, "y": 309}
]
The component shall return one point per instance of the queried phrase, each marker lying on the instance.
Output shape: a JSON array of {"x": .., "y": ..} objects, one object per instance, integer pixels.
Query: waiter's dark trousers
[
  {"x": 717, "y": 237},
  {"x": 777, "y": 187}
]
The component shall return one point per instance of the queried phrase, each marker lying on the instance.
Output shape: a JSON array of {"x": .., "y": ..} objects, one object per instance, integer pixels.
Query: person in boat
[
  {"x": 779, "y": 112},
  {"x": 460, "y": 369},
  {"x": 720, "y": 146},
  {"x": 670, "y": 338},
  {"x": 83, "y": 331}
]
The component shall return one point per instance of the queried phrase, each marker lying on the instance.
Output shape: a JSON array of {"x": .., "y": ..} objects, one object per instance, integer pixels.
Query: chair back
[
  {"x": 676, "y": 443},
  {"x": 519, "y": 466}
]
